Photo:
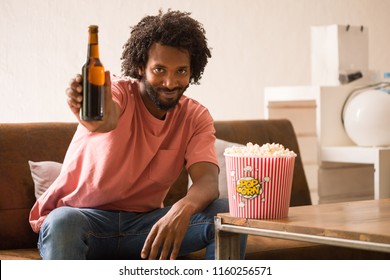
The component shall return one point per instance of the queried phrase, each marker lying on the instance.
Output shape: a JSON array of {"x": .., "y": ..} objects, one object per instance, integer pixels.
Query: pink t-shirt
[{"x": 132, "y": 167}]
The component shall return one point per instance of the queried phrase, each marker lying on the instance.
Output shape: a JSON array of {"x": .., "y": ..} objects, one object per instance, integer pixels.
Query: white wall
[{"x": 256, "y": 43}]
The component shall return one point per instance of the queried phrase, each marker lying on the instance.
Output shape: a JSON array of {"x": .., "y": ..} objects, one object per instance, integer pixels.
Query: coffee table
[{"x": 358, "y": 224}]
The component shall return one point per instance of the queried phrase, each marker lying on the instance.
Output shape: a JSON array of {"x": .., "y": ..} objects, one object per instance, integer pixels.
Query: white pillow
[
  {"x": 43, "y": 174},
  {"x": 220, "y": 146}
]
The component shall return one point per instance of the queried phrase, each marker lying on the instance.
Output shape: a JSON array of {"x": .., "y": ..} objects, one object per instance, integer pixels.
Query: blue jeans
[{"x": 83, "y": 233}]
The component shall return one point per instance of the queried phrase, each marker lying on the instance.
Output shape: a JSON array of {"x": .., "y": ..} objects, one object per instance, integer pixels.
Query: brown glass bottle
[{"x": 93, "y": 80}]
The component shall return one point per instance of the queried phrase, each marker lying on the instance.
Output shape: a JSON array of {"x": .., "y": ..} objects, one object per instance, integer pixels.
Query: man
[{"x": 108, "y": 200}]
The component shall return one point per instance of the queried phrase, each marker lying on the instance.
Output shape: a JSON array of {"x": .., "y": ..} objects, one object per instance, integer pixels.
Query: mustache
[{"x": 161, "y": 89}]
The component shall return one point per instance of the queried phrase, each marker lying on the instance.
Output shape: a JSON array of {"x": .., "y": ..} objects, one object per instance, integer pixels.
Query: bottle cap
[{"x": 93, "y": 28}]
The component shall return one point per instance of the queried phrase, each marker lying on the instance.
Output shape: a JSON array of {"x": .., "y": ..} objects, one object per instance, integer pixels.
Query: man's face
[
  {"x": 157, "y": 95},
  {"x": 165, "y": 78}
]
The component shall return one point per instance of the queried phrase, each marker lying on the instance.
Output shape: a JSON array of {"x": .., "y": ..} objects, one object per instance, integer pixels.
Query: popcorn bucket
[{"x": 259, "y": 187}]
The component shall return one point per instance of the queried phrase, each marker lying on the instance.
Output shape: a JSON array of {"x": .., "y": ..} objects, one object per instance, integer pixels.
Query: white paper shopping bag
[{"x": 338, "y": 53}]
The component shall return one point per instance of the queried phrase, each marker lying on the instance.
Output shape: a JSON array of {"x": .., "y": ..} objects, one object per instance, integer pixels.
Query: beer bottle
[{"x": 93, "y": 80}]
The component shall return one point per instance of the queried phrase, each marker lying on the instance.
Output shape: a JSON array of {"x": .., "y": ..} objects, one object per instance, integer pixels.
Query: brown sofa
[{"x": 22, "y": 142}]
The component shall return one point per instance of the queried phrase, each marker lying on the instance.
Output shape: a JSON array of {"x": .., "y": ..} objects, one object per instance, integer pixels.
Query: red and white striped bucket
[{"x": 259, "y": 187}]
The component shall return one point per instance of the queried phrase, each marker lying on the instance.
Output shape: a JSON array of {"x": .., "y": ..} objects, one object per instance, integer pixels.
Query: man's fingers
[
  {"x": 156, "y": 242},
  {"x": 166, "y": 249},
  {"x": 145, "y": 250},
  {"x": 145, "y": 253},
  {"x": 73, "y": 104},
  {"x": 78, "y": 78},
  {"x": 175, "y": 250}
]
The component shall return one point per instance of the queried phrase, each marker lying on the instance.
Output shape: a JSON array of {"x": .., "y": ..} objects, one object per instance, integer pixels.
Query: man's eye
[
  {"x": 158, "y": 70},
  {"x": 182, "y": 71}
]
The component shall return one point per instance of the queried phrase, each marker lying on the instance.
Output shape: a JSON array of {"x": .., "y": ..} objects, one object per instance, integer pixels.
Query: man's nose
[{"x": 170, "y": 81}]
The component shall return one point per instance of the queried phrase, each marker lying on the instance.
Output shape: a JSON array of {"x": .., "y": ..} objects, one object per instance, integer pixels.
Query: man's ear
[{"x": 140, "y": 71}]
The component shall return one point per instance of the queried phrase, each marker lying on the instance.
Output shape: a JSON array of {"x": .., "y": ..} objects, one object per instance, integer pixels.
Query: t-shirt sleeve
[{"x": 201, "y": 147}]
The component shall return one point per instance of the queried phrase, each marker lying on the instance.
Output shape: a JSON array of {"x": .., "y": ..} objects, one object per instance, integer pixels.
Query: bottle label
[{"x": 96, "y": 75}]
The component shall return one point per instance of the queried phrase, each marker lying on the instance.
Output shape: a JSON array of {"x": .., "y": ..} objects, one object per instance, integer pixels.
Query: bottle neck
[{"x": 93, "y": 46}]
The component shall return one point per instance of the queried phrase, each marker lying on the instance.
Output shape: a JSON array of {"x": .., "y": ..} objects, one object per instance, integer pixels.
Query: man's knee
[
  {"x": 62, "y": 234},
  {"x": 63, "y": 220}
]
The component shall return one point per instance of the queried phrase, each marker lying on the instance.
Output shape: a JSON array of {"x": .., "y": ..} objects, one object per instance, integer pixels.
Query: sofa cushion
[{"x": 43, "y": 174}]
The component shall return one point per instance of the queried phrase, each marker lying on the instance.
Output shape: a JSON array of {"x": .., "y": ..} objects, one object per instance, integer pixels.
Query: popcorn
[{"x": 254, "y": 150}]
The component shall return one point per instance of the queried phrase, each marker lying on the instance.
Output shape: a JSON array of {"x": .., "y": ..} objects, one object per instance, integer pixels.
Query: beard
[{"x": 161, "y": 104}]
